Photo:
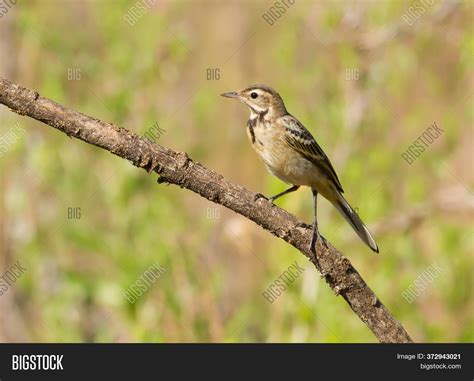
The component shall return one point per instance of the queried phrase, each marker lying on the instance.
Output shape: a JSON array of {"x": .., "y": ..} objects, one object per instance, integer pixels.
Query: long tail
[{"x": 354, "y": 220}]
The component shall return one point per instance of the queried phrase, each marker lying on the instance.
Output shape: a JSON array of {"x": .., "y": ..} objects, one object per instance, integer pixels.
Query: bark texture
[{"x": 177, "y": 168}]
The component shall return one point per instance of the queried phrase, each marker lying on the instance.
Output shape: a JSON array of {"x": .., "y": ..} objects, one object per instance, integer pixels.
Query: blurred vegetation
[{"x": 364, "y": 81}]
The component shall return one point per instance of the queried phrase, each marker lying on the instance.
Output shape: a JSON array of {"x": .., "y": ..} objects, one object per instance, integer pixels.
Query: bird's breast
[
  {"x": 261, "y": 136},
  {"x": 280, "y": 159}
]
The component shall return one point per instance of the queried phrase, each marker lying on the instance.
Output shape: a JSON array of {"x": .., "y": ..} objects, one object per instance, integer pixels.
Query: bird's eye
[{"x": 253, "y": 95}]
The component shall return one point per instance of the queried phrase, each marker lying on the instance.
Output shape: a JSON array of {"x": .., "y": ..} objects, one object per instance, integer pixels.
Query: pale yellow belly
[{"x": 288, "y": 165}]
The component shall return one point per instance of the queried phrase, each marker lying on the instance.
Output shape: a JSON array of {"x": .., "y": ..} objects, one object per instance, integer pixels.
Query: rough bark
[{"x": 177, "y": 168}]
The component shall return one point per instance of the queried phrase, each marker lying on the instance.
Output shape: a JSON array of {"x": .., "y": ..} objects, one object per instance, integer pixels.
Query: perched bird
[{"x": 290, "y": 152}]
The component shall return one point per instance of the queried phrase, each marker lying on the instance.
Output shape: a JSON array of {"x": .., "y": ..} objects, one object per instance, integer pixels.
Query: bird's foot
[
  {"x": 325, "y": 242},
  {"x": 303, "y": 225},
  {"x": 259, "y": 196},
  {"x": 313, "y": 249}
]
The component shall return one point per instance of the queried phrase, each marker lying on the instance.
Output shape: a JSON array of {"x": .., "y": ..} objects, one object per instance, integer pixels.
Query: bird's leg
[
  {"x": 316, "y": 236},
  {"x": 289, "y": 190}
]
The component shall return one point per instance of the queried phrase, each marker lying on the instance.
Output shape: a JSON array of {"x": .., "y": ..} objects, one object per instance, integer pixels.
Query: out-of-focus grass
[{"x": 218, "y": 268}]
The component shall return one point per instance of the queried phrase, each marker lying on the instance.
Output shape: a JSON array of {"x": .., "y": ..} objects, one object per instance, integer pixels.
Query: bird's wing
[{"x": 299, "y": 138}]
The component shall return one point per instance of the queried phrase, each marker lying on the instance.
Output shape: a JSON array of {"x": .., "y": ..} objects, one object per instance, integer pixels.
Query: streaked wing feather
[{"x": 298, "y": 137}]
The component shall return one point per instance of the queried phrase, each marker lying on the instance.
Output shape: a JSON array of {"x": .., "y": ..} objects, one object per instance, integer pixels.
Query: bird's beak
[{"x": 230, "y": 94}]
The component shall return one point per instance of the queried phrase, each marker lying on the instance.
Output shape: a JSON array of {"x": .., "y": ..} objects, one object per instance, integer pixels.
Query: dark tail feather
[{"x": 348, "y": 213}]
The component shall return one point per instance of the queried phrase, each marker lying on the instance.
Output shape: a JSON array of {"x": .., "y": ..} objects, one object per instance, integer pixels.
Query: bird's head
[{"x": 260, "y": 99}]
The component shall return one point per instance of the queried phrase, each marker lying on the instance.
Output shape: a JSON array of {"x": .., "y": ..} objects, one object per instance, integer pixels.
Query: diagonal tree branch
[{"x": 177, "y": 168}]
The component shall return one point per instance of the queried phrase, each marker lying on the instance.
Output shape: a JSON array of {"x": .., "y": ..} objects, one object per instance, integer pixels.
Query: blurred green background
[{"x": 367, "y": 78}]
